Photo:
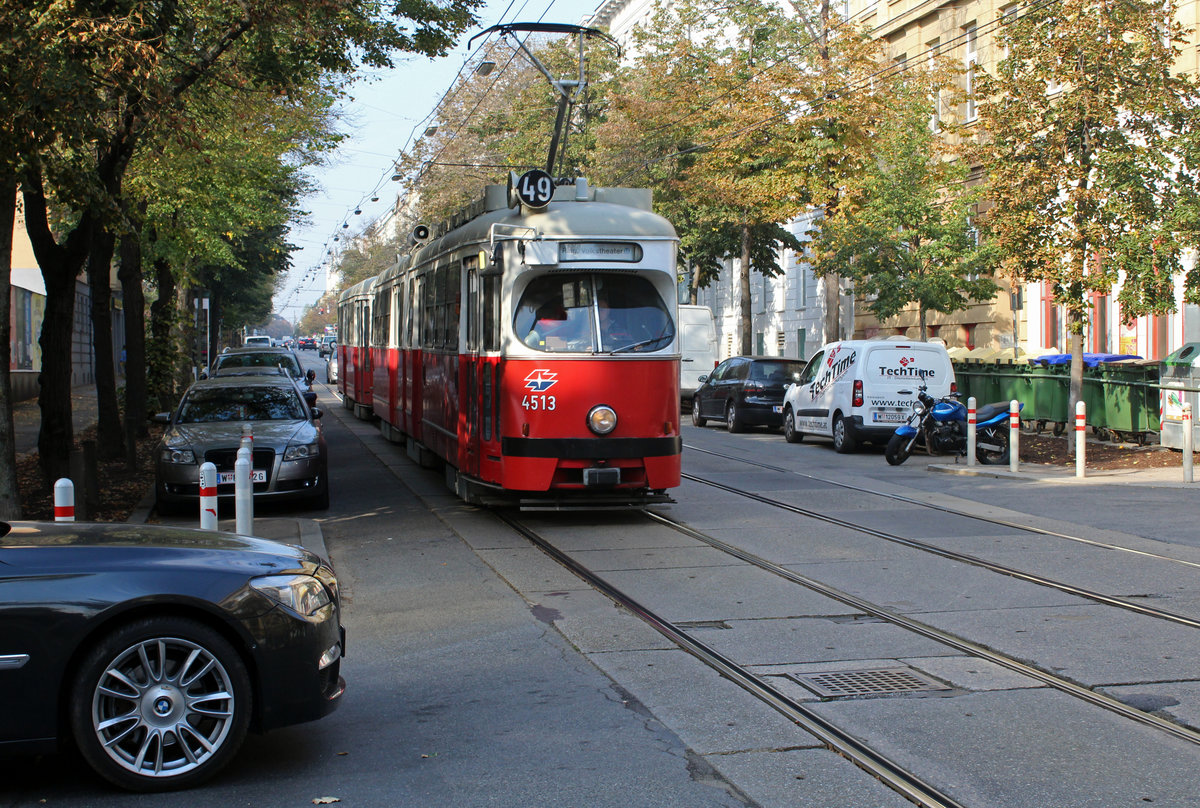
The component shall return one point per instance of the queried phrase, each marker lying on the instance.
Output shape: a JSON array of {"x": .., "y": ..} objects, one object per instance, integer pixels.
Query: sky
[{"x": 386, "y": 112}]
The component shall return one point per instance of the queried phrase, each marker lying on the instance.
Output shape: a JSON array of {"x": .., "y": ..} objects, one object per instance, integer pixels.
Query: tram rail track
[
  {"x": 943, "y": 508},
  {"x": 886, "y": 770},
  {"x": 895, "y": 776},
  {"x": 965, "y": 558}
]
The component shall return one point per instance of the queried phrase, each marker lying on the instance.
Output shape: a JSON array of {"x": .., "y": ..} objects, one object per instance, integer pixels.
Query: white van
[
  {"x": 697, "y": 348},
  {"x": 261, "y": 340},
  {"x": 861, "y": 390}
]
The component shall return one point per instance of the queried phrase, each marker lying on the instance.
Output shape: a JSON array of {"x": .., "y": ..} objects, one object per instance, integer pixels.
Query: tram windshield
[{"x": 593, "y": 312}]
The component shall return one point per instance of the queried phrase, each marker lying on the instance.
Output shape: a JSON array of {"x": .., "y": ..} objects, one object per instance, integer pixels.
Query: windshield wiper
[{"x": 634, "y": 346}]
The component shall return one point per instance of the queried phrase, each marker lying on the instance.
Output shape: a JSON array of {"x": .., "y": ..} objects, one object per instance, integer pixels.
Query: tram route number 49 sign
[{"x": 534, "y": 189}]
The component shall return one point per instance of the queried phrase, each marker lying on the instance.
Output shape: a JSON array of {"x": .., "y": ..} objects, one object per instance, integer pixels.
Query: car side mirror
[
  {"x": 161, "y": 418},
  {"x": 316, "y": 413},
  {"x": 702, "y": 379}
]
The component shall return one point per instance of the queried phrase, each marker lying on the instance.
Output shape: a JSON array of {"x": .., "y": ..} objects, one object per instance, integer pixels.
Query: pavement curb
[{"x": 1060, "y": 476}]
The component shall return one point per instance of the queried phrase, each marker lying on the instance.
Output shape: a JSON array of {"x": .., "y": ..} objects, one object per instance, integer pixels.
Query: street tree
[
  {"x": 736, "y": 112},
  {"x": 1090, "y": 144},
  {"x": 903, "y": 229},
  {"x": 166, "y": 51}
]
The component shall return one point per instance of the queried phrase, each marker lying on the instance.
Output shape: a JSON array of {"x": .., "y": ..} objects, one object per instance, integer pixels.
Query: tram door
[{"x": 470, "y": 368}]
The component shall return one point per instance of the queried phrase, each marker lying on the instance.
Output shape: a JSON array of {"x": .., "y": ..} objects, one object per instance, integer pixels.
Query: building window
[{"x": 970, "y": 60}]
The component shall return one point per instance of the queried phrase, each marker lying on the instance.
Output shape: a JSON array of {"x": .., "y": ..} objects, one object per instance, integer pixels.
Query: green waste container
[
  {"x": 1179, "y": 384},
  {"x": 1129, "y": 399}
]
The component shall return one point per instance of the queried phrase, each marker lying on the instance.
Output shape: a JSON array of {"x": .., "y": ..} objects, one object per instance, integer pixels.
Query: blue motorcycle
[{"x": 940, "y": 427}]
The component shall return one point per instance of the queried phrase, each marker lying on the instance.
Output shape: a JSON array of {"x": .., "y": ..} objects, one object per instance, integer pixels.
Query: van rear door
[{"x": 893, "y": 374}]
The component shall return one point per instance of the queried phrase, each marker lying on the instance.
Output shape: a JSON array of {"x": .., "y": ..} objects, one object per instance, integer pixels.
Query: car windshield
[
  {"x": 781, "y": 372},
  {"x": 594, "y": 313},
  {"x": 266, "y": 359},
  {"x": 254, "y": 403}
]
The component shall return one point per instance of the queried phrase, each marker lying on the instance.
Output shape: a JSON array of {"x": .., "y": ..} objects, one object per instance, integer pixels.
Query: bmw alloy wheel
[{"x": 161, "y": 704}]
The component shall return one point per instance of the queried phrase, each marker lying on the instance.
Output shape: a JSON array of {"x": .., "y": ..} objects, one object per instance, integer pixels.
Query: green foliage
[
  {"x": 1092, "y": 153},
  {"x": 902, "y": 229}
]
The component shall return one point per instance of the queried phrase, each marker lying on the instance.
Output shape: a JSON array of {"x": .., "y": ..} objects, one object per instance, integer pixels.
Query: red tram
[{"x": 531, "y": 348}]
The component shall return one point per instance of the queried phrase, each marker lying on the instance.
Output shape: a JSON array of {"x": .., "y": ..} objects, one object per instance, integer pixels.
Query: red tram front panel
[{"x": 545, "y": 440}]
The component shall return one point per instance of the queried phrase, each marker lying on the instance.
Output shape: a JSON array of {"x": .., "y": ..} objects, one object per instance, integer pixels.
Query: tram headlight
[{"x": 602, "y": 419}]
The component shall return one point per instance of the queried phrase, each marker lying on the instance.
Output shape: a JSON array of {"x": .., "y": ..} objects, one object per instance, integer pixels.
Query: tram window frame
[
  {"x": 474, "y": 339},
  {"x": 491, "y": 313}
]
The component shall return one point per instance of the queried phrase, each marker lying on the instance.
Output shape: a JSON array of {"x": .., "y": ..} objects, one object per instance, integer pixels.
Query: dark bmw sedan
[
  {"x": 154, "y": 650},
  {"x": 745, "y": 391}
]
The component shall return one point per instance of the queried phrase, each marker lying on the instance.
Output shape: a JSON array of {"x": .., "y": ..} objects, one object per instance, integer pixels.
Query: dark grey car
[
  {"x": 290, "y": 459},
  {"x": 745, "y": 391}
]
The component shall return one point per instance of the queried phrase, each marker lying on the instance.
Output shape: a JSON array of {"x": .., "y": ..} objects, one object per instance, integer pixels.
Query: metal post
[
  {"x": 1014, "y": 435},
  {"x": 64, "y": 500},
  {"x": 243, "y": 493},
  {"x": 1080, "y": 438},
  {"x": 1187, "y": 443},
  {"x": 208, "y": 496},
  {"x": 971, "y": 436}
]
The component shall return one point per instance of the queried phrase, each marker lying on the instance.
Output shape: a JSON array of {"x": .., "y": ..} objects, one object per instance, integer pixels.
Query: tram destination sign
[{"x": 620, "y": 252}]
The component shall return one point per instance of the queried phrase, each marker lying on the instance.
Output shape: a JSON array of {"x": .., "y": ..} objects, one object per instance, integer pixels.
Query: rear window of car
[
  {"x": 781, "y": 372},
  {"x": 261, "y": 360},
  {"x": 218, "y": 404}
]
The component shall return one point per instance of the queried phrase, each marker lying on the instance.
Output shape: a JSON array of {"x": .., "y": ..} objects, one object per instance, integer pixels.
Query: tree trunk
[
  {"x": 160, "y": 363},
  {"x": 108, "y": 433},
  {"x": 10, "y": 498},
  {"x": 747, "y": 329},
  {"x": 921, "y": 317},
  {"x": 130, "y": 274},
  {"x": 60, "y": 265}
]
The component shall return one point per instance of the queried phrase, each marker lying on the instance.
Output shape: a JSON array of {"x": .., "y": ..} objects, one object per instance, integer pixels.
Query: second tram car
[{"x": 531, "y": 349}]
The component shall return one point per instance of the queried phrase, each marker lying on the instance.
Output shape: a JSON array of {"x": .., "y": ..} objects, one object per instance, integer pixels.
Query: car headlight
[
  {"x": 602, "y": 419},
  {"x": 302, "y": 594},
  {"x": 171, "y": 454},
  {"x": 302, "y": 451}
]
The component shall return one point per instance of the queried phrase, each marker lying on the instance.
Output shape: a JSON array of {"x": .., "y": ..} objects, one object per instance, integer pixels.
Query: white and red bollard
[
  {"x": 971, "y": 436},
  {"x": 1014, "y": 435},
  {"x": 64, "y": 500},
  {"x": 1187, "y": 443},
  {"x": 1080, "y": 439},
  {"x": 243, "y": 491},
  {"x": 208, "y": 496}
]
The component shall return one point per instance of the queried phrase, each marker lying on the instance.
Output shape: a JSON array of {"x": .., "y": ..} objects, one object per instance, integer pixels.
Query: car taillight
[
  {"x": 753, "y": 387},
  {"x": 858, "y": 393}
]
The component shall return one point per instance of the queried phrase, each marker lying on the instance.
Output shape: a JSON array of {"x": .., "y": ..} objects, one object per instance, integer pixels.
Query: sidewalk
[{"x": 1171, "y": 477}]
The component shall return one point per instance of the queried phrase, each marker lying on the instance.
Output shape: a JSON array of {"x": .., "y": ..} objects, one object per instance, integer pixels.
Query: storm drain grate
[{"x": 878, "y": 682}]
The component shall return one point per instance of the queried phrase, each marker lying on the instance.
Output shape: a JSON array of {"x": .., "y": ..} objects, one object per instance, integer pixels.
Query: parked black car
[
  {"x": 155, "y": 649},
  {"x": 745, "y": 391}
]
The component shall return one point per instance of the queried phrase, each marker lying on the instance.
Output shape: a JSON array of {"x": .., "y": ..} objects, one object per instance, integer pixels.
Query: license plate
[
  {"x": 256, "y": 476},
  {"x": 778, "y": 408},
  {"x": 890, "y": 417}
]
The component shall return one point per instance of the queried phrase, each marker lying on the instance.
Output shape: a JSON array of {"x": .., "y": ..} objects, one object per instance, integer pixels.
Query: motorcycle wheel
[
  {"x": 997, "y": 436},
  {"x": 898, "y": 449}
]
